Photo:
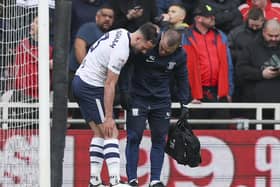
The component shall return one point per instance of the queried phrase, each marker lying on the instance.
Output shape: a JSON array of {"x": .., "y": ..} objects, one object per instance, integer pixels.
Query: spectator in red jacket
[
  {"x": 26, "y": 66},
  {"x": 209, "y": 63},
  {"x": 270, "y": 10}
]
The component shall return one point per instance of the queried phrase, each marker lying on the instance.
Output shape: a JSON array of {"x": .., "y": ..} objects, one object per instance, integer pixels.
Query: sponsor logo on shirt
[
  {"x": 171, "y": 65},
  {"x": 151, "y": 59},
  {"x": 116, "y": 39},
  {"x": 135, "y": 112}
]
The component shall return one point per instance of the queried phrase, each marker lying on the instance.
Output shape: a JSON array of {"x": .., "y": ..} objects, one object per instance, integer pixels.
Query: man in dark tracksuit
[{"x": 149, "y": 99}]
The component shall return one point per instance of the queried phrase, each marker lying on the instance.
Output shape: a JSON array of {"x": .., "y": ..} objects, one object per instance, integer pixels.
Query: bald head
[
  {"x": 271, "y": 32},
  {"x": 169, "y": 42},
  {"x": 173, "y": 37},
  {"x": 272, "y": 24}
]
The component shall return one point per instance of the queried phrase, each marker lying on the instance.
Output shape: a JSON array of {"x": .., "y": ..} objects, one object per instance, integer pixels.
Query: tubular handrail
[{"x": 257, "y": 106}]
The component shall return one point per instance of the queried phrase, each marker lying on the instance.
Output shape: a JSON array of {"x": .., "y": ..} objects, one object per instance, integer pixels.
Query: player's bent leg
[
  {"x": 96, "y": 156},
  {"x": 112, "y": 157}
]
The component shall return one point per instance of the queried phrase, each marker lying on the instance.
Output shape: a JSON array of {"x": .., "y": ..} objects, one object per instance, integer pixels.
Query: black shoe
[
  {"x": 133, "y": 183},
  {"x": 159, "y": 184},
  {"x": 97, "y": 185}
]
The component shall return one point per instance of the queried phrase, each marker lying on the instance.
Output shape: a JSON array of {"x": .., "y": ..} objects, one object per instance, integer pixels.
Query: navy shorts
[{"x": 90, "y": 100}]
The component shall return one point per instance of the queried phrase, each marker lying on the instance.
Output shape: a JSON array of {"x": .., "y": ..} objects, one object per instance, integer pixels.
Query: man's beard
[
  {"x": 209, "y": 26},
  {"x": 272, "y": 44}
]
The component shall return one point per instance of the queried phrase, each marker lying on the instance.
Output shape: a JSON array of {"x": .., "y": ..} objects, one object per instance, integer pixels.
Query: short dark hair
[
  {"x": 150, "y": 32},
  {"x": 255, "y": 13},
  {"x": 180, "y": 5},
  {"x": 106, "y": 6}
]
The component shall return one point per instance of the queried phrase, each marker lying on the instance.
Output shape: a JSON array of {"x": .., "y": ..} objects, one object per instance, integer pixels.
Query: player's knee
[
  {"x": 158, "y": 139},
  {"x": 96, "y": 129},
  {"x": 115, "y": 132},
  {"x": 133, "y": 137}
]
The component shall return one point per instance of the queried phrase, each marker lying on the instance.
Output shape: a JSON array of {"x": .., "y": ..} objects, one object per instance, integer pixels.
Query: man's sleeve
[
  {"x": 181, "y": 78},
  {"x": 244, "y": 67},
  {"x": 118, "y": 57},
  {"x": 125, "y": 76},
  {"x": 230, "y": 65}
]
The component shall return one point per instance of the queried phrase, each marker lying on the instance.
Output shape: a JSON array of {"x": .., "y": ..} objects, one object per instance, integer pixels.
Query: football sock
[
  {"x": 96, "y": 159},
  {"x": 112, "y": 157}
]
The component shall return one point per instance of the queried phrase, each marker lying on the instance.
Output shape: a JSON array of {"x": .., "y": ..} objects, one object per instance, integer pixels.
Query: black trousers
[{"x": 210, "y": 96}]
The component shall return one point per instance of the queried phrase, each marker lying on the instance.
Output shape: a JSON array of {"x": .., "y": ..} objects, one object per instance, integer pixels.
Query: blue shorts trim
[{"x": 90, "y": 100}]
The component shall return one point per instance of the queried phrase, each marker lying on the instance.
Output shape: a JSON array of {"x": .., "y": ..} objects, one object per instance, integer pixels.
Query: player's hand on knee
[
  {"x": 125, "y": 100},
  {"x": 108, "y": 127}
]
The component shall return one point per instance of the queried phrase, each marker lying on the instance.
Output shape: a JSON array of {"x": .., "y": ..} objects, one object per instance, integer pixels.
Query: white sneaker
[
  {"x": 120, "y": 184},
  {"x": 97, "y": 185}
]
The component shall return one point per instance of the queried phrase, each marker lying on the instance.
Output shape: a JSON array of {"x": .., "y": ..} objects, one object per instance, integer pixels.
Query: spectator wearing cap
[
  {"x": 270, "y": 10},
  {"x": 227, "y": 15},
  {"x": 209, "y": 64}
]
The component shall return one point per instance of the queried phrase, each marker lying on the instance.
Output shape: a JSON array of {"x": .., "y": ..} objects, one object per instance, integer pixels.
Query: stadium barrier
[
  {"x": 231, "y": 158},
  {"x": 257, "y": 106}
]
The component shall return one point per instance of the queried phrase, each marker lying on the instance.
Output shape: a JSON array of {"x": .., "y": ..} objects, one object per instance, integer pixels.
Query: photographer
[{"x": 258, "y": 66}]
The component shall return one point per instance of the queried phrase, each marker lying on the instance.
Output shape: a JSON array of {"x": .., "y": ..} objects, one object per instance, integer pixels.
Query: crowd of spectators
[{"x": 229, "y": 58}]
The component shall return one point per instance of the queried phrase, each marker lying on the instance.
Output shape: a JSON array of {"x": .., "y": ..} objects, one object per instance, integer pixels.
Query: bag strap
[{"x": 183, "y": 123}]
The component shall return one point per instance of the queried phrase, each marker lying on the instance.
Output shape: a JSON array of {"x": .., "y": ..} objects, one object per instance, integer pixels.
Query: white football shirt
[{"x": 110, "y": 51}]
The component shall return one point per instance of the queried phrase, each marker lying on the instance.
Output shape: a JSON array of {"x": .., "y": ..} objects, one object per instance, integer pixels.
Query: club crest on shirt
[
  {"x": 151, "y": 59},
  {"x": 171, "y": 65},
  {"x": 135, "y": 112},
  {"x": 167, "y": 115}
]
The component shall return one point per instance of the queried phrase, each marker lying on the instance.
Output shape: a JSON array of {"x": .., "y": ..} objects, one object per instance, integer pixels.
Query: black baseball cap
[{"x": 204, "y": 10}]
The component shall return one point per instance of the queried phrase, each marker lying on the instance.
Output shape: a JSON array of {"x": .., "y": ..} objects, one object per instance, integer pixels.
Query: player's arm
[
  {"x": 109, "y": 95},
  {"x": 181, "y": 79}
]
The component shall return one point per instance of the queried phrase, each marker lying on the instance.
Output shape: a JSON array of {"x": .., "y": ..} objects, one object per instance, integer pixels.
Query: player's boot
[
  {"x": 120, "y": 184},
  {"x": 159, "y": 184},
  {"x": 133, "y": 183},
  {"x": 97, "y": 185}
]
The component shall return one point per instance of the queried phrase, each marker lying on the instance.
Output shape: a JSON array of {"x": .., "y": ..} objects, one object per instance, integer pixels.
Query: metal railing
[{"x": 257, "y": 106}]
